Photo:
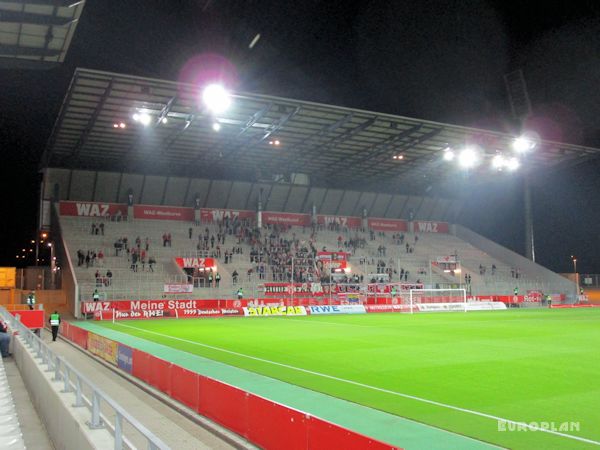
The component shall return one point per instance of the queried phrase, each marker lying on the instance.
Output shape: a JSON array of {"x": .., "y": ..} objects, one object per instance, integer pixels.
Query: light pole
[
  {"x": 576, "y": 276},
  {"x": 52, "y": 264}
]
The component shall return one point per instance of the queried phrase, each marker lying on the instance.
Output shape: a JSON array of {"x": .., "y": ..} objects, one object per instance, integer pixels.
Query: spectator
[
  {"x": 95, "y": 295},
  {"x": 151, "y": 262},
  {"x": 93, "y": 228},
  {"x": 31, "y": 300},
  {"x": 190, "y": 230},
  {"x": 4, "y": 340},
  {"x": 54, "y": 324},
  {"x": 218, "y": 279},
  {"x": 101, "y": 258},
  {"x": 234, "y": 276},
  {"x": 108, "y": 277},
  {"x": 102, "y": 228},
  {"x": 240, "y": 293}
]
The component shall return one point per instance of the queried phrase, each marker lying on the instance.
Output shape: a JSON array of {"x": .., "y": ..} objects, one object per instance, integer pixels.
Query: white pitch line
[{"x": 375, "y": 388}]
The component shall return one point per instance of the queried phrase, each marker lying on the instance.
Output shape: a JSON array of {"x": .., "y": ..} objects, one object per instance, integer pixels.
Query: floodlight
[
  {"x": 448, "y": 155},
  {"x": 164, "y": 120},
  {"x": 122, "y": 125},
  {"x": 115, "y": 125},
  {"x": 523, "y": 144},
  {"x": 145, "y": 119},
  {"x": 216, "y": 126},
  {"x": 513, "y": 164},
  {"x": 216, "y": 98},
  {"x": 467, "y": 158},
  {"x": 498, "y": 162},
  {"x": 276, "y": 142}
]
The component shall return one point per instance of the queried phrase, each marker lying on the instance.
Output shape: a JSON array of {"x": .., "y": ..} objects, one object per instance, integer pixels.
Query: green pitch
[{"x": 456, "y": 371}]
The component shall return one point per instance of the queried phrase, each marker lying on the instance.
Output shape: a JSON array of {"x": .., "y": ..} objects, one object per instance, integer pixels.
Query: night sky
[{"x": 435, "y": 60}]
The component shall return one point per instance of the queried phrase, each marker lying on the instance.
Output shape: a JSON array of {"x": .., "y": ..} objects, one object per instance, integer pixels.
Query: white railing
[{"x": 86, "y": 393}]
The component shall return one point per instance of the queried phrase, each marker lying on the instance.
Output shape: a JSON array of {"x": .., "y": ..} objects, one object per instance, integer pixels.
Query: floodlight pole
[{"x": 529, "y": 236}]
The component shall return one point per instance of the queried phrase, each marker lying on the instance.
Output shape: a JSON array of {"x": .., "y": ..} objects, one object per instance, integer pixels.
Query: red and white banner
[
  {"x": 386, "y": 288},
  {"x": 178, "y": 288},
  {"x": 218, "y": 215},
  {"x": 450, "y": 259},
  {"x": 343, "y": 221},
  {"x": 196, "y": 263},
  {"x": 534, "y": 296},
  {"x": 167, "y": 313},
  {"x": 340, "y": 256},
  {"x": 163, "y": 213},
  {"x": 283, "y": 289},
  {"x": 91, "y": 209},
  {"x": 292, "y": 219},
  {"x": 387, "y": 224},
  {"x": 430, "y": 227}
]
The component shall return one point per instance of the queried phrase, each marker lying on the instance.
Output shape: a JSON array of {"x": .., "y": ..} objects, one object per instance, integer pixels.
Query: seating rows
[{"x": 269, "y": 258}]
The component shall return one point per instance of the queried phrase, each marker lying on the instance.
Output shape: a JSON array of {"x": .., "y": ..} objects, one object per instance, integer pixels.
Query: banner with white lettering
[
  {"x": 394, "y": 225},
  {"x": 342, "y": 221},
  {"x": 196, "y": 263},
  {"x": 219, "y": 215},
  {"x": 163, "y": 213},
  {"x": 91, "y": 209},
  {"x": 430, "y": 227},
  {"x": 178, "y": 288}
]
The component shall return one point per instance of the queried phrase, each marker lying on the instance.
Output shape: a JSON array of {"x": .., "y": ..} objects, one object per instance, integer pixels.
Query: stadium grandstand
[{"x": 234, "y": 270}]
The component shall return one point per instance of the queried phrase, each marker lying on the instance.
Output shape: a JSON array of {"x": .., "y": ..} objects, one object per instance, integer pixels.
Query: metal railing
[{"x": 87, "y": 395}]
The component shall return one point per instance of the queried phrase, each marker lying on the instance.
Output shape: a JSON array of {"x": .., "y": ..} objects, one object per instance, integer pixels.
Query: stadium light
[
  {"x": 216, "y": 126},
  {"x": 468, "y": 158},
  {"x": 499, "y": 162},
  {"x": 164, "y": 120},
  {"x": 216, "y": 98},
  {"x": 523, "y": 144},
  {"x": 513, "y": 164},
  {"x": 448, "y": 154},
  {"x": 143, "y": 118}
]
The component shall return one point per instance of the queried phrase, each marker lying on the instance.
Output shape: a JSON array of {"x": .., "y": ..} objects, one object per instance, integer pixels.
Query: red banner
[
  {"x": 430, "y": 227},
  {"x": 31, "y": 319},
  {"x": 218, "y": 215},
  {"x": 292, "y": 219},
  {"x": 91, "y": 209},
  {"x": 167, "y": 313},
  {"x": 387, "y": 225},
  {"x": 200, "y": 263},
  {"x": 343, "y": 221},
  {"x": 163, "y": 213}
]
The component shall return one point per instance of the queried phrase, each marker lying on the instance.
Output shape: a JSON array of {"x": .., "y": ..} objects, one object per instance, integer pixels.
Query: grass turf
[{"x": 527, "y": 366}]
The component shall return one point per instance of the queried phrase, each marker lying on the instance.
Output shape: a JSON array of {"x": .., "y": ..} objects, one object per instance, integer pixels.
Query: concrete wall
[
  {"x": 82, "y": 185},
  {"x": 66, "y": 426}
]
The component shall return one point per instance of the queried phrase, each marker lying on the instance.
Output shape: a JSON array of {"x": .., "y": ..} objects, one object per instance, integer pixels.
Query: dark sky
[{"x": 436, "y": 60}]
